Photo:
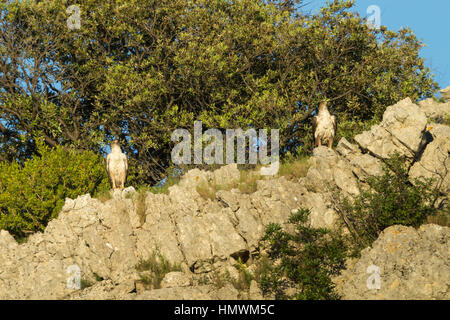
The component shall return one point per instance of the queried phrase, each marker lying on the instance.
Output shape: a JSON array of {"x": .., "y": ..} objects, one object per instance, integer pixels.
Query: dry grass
[
  {"x": 216, "y": 278},
  {"x": 207, "y": 190},
  {"x": 442, "y": 218},
  {"x": 153, "y": 270},
  {"x": 248, "y": 181},
  {"x": 103, "y": 196},
  {"x": 220, "y": 279},
  {"x": 294, "y": 170},
  {"x": 247, "y": 184},
  {"x": 140, "y": 205}
]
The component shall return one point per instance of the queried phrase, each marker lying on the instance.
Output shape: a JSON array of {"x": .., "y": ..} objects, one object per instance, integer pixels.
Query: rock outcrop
[
  {"x": 402, "y": 130},
  {"x": 102, "y": 242},
  {"x": 409, "y": 264},
  {"x": 446, "y": 93}
]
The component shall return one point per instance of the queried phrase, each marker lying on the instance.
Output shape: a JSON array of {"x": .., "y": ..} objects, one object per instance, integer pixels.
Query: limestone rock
[
  {"x": 435, "y": 163},
  {"x": 362, "y": 165},
  {"x": 321, "y": 213},
  {"x": 127, "y": 192},
  {"x": 401, "y": 131},
  {"x": 194, "y": 177},
  {"x": 320, "y": 172},
  {"x": 434, "y": 110},
  {"x": 328, "y": 169},
  {"x": 104, "y": 290},
  {"x": 446, "y": 93},
  {"x": 346, "y": 149},
  {"x": 406, "y": 122},
  {"x": 254, "y": 292},
  {"x": 409, "y": 263},
  {"x": 209, "y": 236},
  {"x": 205, "y": 292},
  {"x": 176, "y": 279},
  {"x": 227, "y": 175}
]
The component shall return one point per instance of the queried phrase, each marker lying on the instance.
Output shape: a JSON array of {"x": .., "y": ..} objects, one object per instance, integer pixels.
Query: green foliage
[
  {"x": 153, "y": 269},
  {"x": 446, "y": 120},
  {"x": 103, "y": 195},
  {"x": 307, "y": 258},
  {"x": 391, "y": 199},
  {"x": 172, "y": 177},
  {"x": 242, "y": 283},
  {"x": 349, "y": 129},
  {"x": 32, "y": 195},
  {"x": 137, "y": 70}
]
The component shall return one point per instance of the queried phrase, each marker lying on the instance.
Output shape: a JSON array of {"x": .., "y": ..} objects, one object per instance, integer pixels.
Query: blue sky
[{"x": 429, "y": 19}]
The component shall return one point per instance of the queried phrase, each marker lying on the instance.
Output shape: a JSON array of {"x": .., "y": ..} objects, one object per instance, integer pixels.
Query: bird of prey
[
  {"x": 117, "y": 166},
  {"x": 324, "y": 126}
]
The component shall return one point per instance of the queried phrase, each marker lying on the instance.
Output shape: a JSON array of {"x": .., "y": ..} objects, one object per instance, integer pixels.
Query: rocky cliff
[{"x": 102, "y": 242}]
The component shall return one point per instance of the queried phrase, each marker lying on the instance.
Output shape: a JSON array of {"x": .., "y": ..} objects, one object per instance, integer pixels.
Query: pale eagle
[
  {"x": 117, "y": 166},
  {"x": 324, "y": 126}
]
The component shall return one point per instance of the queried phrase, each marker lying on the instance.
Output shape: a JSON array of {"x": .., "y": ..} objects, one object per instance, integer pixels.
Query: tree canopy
[{"x": 137, "y": 70}]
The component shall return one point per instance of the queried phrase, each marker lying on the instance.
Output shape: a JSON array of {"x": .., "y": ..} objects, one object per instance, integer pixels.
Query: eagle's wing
[
  {"x": 125, "y": 161},
  {"x": 334, "y": 122},
  {"x": 314, "y": 126},
  {"x": 108, "y": 159}
]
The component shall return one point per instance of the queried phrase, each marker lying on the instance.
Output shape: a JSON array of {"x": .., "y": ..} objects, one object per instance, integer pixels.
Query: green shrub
[
  {"x": 172, "y": 177},
  {"x": 303, "y": 260},
  {"x": 242, "y": 283},
  {"x": 392, "y": 199},
  {"x": 306, "y": 259},
  {"x": 153, "y": 270},
  {"x": 32, "y": 195},
  {"x": 349, "y": 129}
]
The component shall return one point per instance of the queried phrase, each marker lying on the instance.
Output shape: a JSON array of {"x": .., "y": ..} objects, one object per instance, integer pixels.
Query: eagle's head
[
  {"x": 115, "y": 144},
  {"x": 323, "y": 105}
]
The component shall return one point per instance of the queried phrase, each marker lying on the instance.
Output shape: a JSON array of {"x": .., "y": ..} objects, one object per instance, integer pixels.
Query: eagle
[
  {"x": 324, "y": 126},
  {"x": 117, "y": 166}
]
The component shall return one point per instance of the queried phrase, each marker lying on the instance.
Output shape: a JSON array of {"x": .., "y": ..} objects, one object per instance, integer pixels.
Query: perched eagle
[
  {"x": 324, "y": 126},
  {"x": 117, "y": 166}
]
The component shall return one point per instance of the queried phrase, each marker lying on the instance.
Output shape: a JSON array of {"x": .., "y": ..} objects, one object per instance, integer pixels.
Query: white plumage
[
  {"x": 117, "y": 166},
  {"x": 324, "y": 126}
]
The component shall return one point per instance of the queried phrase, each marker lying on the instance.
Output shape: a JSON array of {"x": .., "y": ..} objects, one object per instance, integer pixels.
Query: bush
[
  {"x": 392, "y": 199},
  {"x": 32, "y": 195},
  {"x": 349, "y": 129},
  {"x": 305, "y": 260},
  {"x": 153, "y": 270}
]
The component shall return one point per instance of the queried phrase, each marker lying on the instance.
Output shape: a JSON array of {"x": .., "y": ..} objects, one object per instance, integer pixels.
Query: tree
[
  {"x": 33, "y": 194},
  {"x": 137, "y": 70}
]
